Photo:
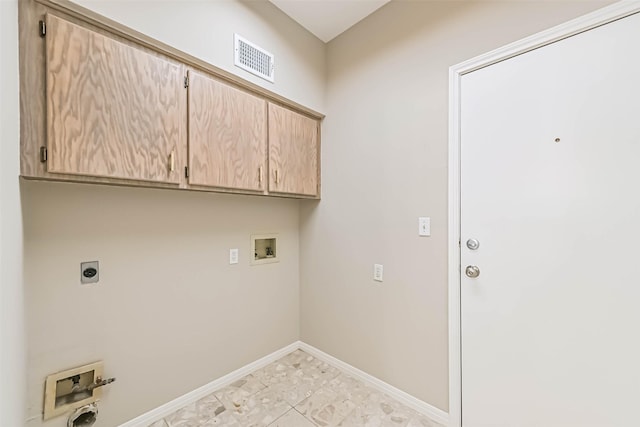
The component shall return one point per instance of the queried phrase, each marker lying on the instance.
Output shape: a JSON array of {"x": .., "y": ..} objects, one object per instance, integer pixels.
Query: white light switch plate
[
  {"x": 377, "y": 272},
  {"x": 424, "y": 226},
  {"x": 233, "y": 256}
]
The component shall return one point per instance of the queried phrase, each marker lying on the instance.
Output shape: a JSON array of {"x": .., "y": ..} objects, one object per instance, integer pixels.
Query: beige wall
[
  {"x": 169, "y": 314},
  {"x": 12, "y": 342},
  {"x": 384, "y": 164}
]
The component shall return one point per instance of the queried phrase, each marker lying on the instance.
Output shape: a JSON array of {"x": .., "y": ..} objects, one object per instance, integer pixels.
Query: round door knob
[{"x": 472, "y": 271}]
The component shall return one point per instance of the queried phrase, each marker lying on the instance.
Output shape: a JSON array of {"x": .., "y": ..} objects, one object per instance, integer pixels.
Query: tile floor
[{"x": 297, "y": 391}]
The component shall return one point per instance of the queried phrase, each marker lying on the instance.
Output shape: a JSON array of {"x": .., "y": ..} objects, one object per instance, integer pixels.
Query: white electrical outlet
[
  {"x": 377, "y": 272},
  {"x": 424, "y": 226},
  {"x": 233, "y": 256}
]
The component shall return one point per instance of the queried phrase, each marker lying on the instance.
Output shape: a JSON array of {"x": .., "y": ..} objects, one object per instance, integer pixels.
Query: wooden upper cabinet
[
  {"x": 113, "y": 110},
  {"x": 101, "y": 103},
  {"x": 293, "y": 152},
  {"x": 227, "y": 135}
]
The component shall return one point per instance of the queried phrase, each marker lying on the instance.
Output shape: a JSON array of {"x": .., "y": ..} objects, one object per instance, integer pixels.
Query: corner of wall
[{"x": 12, "y": 350}]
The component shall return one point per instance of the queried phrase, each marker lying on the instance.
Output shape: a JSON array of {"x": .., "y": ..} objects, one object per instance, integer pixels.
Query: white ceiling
[{"x": 328, "y": 18}]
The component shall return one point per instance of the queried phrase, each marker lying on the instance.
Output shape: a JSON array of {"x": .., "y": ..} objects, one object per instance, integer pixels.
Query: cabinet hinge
[
  {"x": 43, "y": 154},
  {"x": 42, "y": 28},
  {"x": 186, "y": 171},
  {"x": 186, "y": 82}
]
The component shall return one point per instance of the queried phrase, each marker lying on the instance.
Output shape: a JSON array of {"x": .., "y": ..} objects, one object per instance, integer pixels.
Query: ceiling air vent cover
[{"x": 253, "y": 59}]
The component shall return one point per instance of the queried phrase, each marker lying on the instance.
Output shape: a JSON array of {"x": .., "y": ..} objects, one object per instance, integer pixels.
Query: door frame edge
[{"x": 581, "y": 24}]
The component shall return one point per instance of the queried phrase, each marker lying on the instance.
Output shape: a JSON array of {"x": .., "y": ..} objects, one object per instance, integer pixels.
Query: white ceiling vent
[{"x": 253, "y": 58}]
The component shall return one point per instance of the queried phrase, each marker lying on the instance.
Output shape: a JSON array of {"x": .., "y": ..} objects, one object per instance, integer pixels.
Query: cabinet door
[
  {"x": 293, "y": 152},
  {"x": 112, "y": 110},
  {"x": 227, "y": 135}
]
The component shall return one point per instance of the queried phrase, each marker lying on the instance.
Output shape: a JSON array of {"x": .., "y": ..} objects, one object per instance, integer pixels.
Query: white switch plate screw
[
  {"x": 424, "y": 226},
  {"x": 377, "y": 272},
  {"x": 233, "y": 256}
]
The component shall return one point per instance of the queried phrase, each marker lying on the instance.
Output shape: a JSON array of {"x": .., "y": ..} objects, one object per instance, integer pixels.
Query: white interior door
[{"x": 550, "y": 188}]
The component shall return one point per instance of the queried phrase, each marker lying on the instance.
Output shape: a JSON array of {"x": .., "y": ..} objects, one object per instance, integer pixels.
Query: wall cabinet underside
[{"x": 101, "y": 103}]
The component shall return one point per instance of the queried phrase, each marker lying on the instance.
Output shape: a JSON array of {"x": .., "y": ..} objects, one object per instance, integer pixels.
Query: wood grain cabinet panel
[
  {"x": 227, "y": 135},
  {"x": 293, "y": 152},
  {"x": 113, "y": 110}
]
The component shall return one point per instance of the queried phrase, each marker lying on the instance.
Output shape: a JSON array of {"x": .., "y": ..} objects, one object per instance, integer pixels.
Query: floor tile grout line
[
  {"x": 305, "y": 417},
  {"x": 285, "y": 413}
]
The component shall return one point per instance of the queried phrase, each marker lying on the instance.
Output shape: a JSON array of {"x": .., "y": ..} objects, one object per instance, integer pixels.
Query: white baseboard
[
  {"x": 423, "y": 407},
  {"x": 168, "y": 408}
]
